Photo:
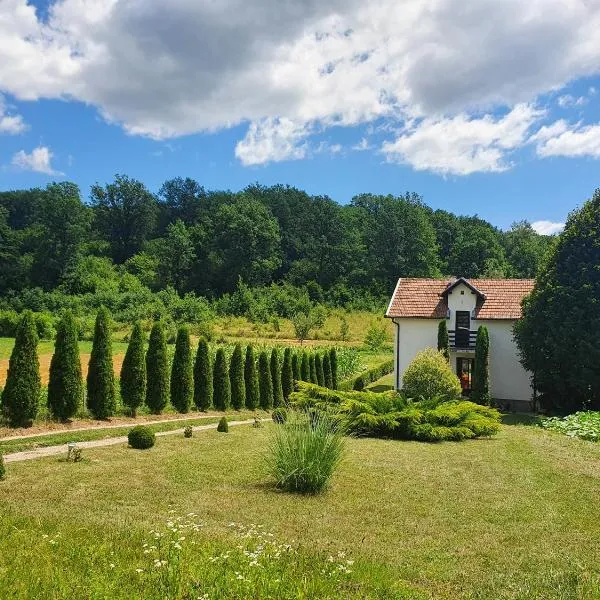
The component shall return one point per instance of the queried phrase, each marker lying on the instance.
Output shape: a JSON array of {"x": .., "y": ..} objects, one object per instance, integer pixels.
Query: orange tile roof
[{"x": 424, "y": 298}]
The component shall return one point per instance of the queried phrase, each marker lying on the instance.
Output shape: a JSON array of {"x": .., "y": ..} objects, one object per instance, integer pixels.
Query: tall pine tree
[
  {"x": 203, "y": 377},
  {"x": 222, "y": 385},
  {"x": 265, "y": 382},
  {"x": 481, "y": 385},
  {"x": 443, "y": 345},
  {"x": 276, "y": 378},
  {"x": 133, "y": 371},
  {"x": 157, "y": 370},
  {"x": 182, "y": 375},
  {"x": 65, "y": 387},
  {"x": 287, "y": 375},
  {"x": 236, "y": 378},
  {"x": 101, "y": 399},
  {"x": 251, "y": 380}
]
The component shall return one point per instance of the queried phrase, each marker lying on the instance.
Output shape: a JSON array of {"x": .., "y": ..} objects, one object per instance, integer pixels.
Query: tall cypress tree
[
  {"x": 443, "y": 344},
  {"x": 157, "y": 370},
  {"x": 236, "y": 378},
  {"x": 65, "y": 387},
  {"x": 305, "y": 367},
  {"x": 21, "y": 395},
  {"x": 203, "y": 377},
  {"x": 313, "y": 368},
  {"x": 251, "y": 380},
  {"x": 295, "y": 366},
  {"x": 276, "y": 378},
  {"x": 334, "y": 368},
  {"x": 327, "y": 371},
  {"x": 182, "y": 375},
  {"x": 319, "y": 370},
  {"x": 101, "y": 399},
  {"x": 222, "y": 385},
  {"x": 287, "y": 375},
  {"x": 265, "y": 381},
  {"x": 481, "y": 386},
  {"x": 133, "y": 371}
]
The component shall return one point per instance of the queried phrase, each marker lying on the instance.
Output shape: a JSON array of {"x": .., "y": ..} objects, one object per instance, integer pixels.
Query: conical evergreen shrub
[
  {"x": 251, "y": 380},
  {"x": 203, "y": 377},
  {"x": 182, "y": 375},
  {"x": 2, "y": 468},
  {"x": 443, "y": 343},
  {"x": 236, "y": 378},
  {"x": 223, "y": 426},
  {"x": 327, "y": 371},
  {"x": 65, "y": 387},
  {"x": 133, "y": 371},
  {"x": 276, "y": 378},
  {"x": 295, "y": 367},
  {"x": 21, "y": 394},
  {"x": 305, "y": 367},
  {"x": 265, "y": 382},
  {"x": 319, "y": 370},
  {"x": 481, "y": 377},
  {"x": 157, "y": 370},
  {"x": 222, "y": 385},
  {"x": 313, "y": 369},
  {"x": 101, "y": 400},
  {"x": 287, "y": 375},
  {"x": 334, "y": 368}
]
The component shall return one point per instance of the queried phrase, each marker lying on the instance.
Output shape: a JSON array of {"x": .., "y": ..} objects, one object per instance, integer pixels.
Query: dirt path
[{"x": 62, "y": 449}]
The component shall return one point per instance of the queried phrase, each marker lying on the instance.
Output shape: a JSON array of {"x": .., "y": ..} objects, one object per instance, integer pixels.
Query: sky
[{"x": 489, "y": 107}]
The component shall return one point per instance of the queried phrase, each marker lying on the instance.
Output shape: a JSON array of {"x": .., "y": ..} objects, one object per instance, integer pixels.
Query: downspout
[{"x": 397, "y": 353}]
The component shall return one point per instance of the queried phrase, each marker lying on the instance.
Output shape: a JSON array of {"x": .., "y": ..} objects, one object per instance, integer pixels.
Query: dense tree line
[{"x": 190, "y": 239}]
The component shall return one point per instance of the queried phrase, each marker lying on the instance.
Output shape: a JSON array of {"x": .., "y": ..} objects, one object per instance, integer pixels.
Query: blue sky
[{"x": 491, "y": 109}]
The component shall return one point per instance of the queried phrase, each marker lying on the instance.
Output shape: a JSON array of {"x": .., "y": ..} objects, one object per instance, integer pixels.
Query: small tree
[
  {"x": 429, "y": 376},
  {"x": 328, "y": 381},
  {"x": 305, "y": 367},
  {"x": 313, "y": 368},
  {"x": 319, "y": 370},
  {"x": 133, "y": 371},
  {"x": 203, "y": 377},
  {"x": 236, "y": 378},
  {"x": 157, "y": 369},
  {"x": 481, "y": 379},
  {"x": 101, "y": 399},
  {"x": 182, "y": 375},
  {"x": 443, "y": 344},
  {"x": 22, "y": 392},
  {"x": 276, "y": 378},
  {"x": 65, "y": 387},
  {"x": 251, "y": 380},
  {"x": 222, "y": 385},
  {"x": 333, "y": 363},
  {"x": 265, "y": 382},
  {"x": 287, "y": 375},
  {"x": 303, "y": 324},
  {"x": 295, "y": 366}
]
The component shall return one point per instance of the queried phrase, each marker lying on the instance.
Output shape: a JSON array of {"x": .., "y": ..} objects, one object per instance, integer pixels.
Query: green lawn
[{"x": 511, "y": 517}]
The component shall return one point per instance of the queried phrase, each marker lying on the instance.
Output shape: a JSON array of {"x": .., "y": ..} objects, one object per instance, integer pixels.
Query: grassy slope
[{"x": 512, "y": 517}]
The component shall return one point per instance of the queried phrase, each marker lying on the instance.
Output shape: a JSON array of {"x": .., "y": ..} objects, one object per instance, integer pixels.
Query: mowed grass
[{"x": 511, "y": 517}]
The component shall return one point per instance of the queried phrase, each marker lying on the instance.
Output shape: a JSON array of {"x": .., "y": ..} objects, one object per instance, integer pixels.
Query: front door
[
  {"x": 464, "y": 370},
  {"x": 463, "y": 325}
]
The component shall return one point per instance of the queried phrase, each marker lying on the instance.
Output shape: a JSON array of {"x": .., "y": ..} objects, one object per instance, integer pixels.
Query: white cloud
[
  {"x": 10, "y": 124},
  {"x": 362, "y": 145},
  {"x": 562, "y": 139},
  {"x": 568, "y": 101},
  {"x": 39, "y": 160},
  {"x": 547, "y": 227}
]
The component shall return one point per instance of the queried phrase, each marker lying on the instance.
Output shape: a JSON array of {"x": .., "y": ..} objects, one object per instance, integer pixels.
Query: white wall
[
  {"x": 460, "y": 298},
  {"x": 413, "y": 335}
]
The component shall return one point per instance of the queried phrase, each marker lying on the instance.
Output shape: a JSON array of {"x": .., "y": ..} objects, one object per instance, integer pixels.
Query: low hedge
[{"x": 362, "y": 380}]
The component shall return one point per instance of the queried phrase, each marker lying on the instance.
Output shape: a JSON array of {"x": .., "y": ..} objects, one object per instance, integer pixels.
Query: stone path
[{"x": 62, "y": 449}]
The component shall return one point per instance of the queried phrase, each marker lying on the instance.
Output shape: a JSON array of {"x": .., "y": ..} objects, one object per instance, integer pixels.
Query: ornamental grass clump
[
  {"x": 304, "y": 452},
  {"x": 141, "y": 437}
]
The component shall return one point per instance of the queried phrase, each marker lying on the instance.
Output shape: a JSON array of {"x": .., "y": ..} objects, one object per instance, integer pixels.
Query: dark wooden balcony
[{"x": 462, "y": 340}]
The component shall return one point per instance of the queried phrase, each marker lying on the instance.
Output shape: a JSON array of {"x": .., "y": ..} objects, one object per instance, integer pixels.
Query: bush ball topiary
[
  {"x": 279, "y": 415},
  {"x": 141, "y": 437},
  {"x": 188, "y": 431},
  {"x": 223, "y": 426}
]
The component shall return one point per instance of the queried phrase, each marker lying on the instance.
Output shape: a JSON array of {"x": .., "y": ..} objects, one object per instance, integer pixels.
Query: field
[{"x": 512, "y": 517}]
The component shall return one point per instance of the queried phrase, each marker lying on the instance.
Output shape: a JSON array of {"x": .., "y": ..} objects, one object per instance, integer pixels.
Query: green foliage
[
  {"x": 344, "y": 329},
  {"x": 188, "y": 431},
  {"x": 133, "y": 371},
  {"x": 327, "y": 378},
  {"x": 141, "y": 437},
  {"x": 376, "y": 337},
  {"x": 304, "y": 452},
  {"x": 101, "y": 400},
  {"x": 333, "y": 361},
  {"x": 251, "y": 380},
  {"x": 236, "y": 377},
  {"x": 443, "y": 343},
  {"x": 313, "y": 368},
  {"x": 279, "y": 415},
  {"x": 223, "y": 426},
  {"x": 2, "y": 468},
  {"x": 65, "y": 387},
  {"x": 319, "y": 370},
  {"x": 157, "y": 370},
  {"x": 287, "y": 374},
  {"x": 429, "y": 376},
  {"x": 222, "y": 385},
  {"x": 265, "y": 381},
  {"x": 305, "y": 367},
  {"x": 584, "y": 425},
  {"x": 182, "y": 374},
  {"x": 276, "y": 378},
  {"x": 481, "y": 384},
  {"x": 296, "y": 360},
  {"x": 362, "y": 380},
  {"x": 203, "y": 377}
]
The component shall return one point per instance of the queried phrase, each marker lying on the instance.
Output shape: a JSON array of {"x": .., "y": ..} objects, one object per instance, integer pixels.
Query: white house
[{"x": 418, "y": 305}]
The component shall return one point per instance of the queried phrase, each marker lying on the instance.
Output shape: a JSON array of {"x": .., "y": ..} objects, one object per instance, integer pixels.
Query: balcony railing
[{"x": 462, "y": 339}]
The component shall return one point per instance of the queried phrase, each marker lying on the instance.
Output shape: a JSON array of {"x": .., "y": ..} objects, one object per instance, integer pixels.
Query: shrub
[
  {"x": 327, "y": 379},
  {"x": 223, "y": 426},
  {"x": 251, "y": 380},
  {"x": 203, "y": 377},
  {"x": 319, "y": 370},
  {"x": 304, "y": 453},
  {"x": 188, "y": 431},
  {"x": 157, "y": 370},
  {"x": 222, "y": 385},
  {"x": 584, "y": 425},
  {"x": 429, "y": 376},
  {"x": 21, "y": 394},
  {"x": 236, "y": 378},
  {"x": 101, "y": 399},
  {"x": 133, "y": 371},
  {"x": 305, "y": 367},
  {"x": 481, "y": 377},
  {"x": 443, "y": 343},
  {"x": 279, "y": 415},
  {"x": 376, "y": 337},
  {"x": 313, "y": 369},
  {"x": 276, "y": 378},
  {"x": 287, "y": 374},
  {"x": 182, "y": 376},
  {"x": 141, "y": 437},
  {"x": 2, "y": 468},
  {"x": 295, "y": 366},
  {"x": 65, "y": 387},
  {"x": 333, "y": 360},
  {"x": 264, "y": 381}
]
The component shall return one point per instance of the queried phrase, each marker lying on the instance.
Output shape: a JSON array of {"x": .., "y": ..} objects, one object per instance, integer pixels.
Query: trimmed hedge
[
  {"x": 141, "y": 437},
  {"x": 362, "y": 380}
]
